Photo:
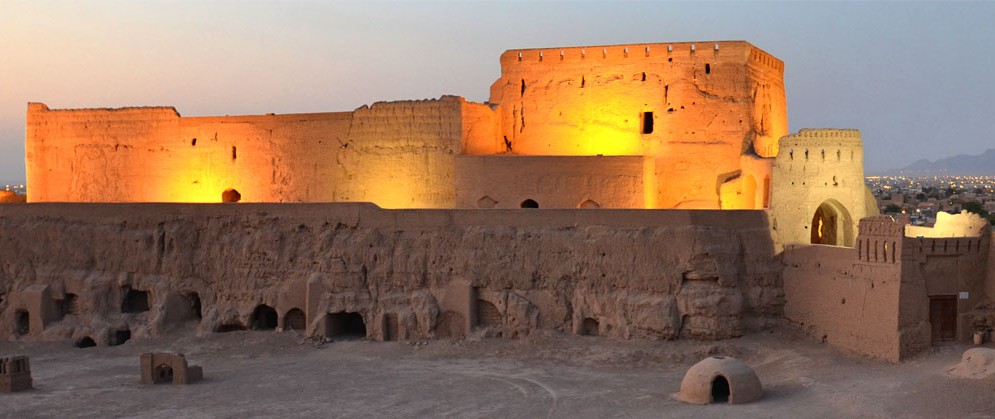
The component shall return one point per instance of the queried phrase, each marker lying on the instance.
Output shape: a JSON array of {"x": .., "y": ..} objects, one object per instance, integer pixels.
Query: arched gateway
[{"x": 832, "y": 224}]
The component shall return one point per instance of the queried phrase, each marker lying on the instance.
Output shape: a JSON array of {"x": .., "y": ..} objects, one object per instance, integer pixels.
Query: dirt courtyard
[{"x": 283, "y": 374}]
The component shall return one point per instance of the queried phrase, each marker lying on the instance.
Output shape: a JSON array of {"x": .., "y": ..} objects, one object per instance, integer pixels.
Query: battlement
[
  {"x": 879, "y": 239},
  {"x": 827, "y": 133},
  {"x": 144, "y": 111},
  {"x": 882, "y": 225},
  {"x": 822, "y": 144},
  {"x": 810, "y": 137},
  {"x": 948, "y": 246},
  {"x": 653, "y": 53}
]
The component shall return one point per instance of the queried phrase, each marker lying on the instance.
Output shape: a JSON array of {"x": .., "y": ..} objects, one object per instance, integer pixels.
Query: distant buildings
[{"x": 921, "y": 198}]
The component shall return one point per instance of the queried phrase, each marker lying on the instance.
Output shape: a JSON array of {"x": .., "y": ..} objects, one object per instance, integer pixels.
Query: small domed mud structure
[{"x": 720, "y": 379}]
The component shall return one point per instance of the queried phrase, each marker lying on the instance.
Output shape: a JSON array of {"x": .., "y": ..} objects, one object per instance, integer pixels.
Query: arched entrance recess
[
  {"x": 832, "y": 224},
  {"x": 749, "y": 192}
]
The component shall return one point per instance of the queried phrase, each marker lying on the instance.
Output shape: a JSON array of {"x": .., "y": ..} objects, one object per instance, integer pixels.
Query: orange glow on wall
[
  {"x": 196, "y": 184},
  {"x": 696, "y": 117}
]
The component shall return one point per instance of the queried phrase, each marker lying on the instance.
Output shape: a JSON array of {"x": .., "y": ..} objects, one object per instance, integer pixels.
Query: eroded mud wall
[
  {"x": 93, "y": 270},
  {"x": 847, "y": 297}
]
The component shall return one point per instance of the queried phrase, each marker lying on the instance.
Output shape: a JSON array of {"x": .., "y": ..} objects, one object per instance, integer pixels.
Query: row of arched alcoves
[{"x": 488, "y": 202}]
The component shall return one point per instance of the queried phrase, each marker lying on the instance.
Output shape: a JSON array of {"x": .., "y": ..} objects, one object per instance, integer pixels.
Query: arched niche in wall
[
  {"x": 832, "y": 224},
  {"x": 486, "y": 202},
  {"x": 231, "y": 195},
  {"x": 530, "y": 203},
  {"x": 295, "y": 320},
  {"x": 589, "y": 204}
]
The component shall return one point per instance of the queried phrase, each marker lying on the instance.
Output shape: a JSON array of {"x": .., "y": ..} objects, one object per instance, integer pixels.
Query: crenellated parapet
[
  {"x": 643, "y": 53},
  {"x": 879, "y": 239}
]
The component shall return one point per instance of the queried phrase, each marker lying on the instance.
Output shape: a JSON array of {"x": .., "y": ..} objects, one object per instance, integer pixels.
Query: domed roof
[{"x": 718, "y": 379}]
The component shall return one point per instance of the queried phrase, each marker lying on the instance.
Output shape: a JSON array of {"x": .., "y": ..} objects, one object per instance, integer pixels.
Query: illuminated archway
[{"x": 832, "y": 224}]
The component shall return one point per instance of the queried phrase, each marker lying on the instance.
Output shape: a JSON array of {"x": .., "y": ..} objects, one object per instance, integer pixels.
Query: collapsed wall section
[{"x": 94, "y": 271}]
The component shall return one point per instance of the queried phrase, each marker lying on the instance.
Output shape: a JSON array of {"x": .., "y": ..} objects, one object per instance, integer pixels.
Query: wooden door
[{"x": 943, "y": 317}]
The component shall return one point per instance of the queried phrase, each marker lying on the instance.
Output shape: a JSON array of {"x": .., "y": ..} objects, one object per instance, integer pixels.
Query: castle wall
[
  {"x": 408, "y": 273},
  {"x": 750, "y": 189},
  {"x": 480, "y": 130},
  {"x": 848, "y": 304},
  {"x": 710, "y": 103},
  {"x": 817, "y": 167},
  {"x": 938, "y": 267},
  {"x": 552, "y": 181},
  {"x": 701, "y": 113},
  {"x": 875, "y": 298},
  {"x": 396, "y": 154},
  {"x": 401, "y": 154}
]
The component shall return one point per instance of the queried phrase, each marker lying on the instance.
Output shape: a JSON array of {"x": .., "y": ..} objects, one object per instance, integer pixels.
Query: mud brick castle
[{"x": 645, "y": 191}]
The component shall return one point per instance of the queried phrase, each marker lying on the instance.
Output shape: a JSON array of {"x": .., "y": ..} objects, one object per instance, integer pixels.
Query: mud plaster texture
[{"x": 409, "y": 274}]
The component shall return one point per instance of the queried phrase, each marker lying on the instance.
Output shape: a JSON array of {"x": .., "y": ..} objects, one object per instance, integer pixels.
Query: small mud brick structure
[
  {"x": 15, "y": 374},
  {"x": 168, "y": 368},
  {"x": 720, "y": 379}
]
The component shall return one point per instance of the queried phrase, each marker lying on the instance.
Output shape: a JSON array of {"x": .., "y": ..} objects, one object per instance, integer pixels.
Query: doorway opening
[
  {"x": 263, "y": 318},
  {"x": 163, "y": 374},
  {"x": 135, "y": 301},
  {"x": 831, "y": 224},
  {"x": 295, "y": 320},
  {"x": 943, "y": 317},
  {"x": 450, "y": 324},
  {"x": 720, "y": 390},
  {"x": 86, "y": 342},
  {"x": 529, "y": 203},
  {"x": 390, "y": 327},
  {"x": 22, "y": 322},
  {"x": 119, "y": 337},
  {"x": 589, "y": 327},
  {"x": 345, "y": 325},
  {"x": 487, "y": 314}
]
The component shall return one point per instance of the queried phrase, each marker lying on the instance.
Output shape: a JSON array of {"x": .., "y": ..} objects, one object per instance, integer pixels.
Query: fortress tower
[
  {"x": 701, "y": 113},
  {"x": 818, "y": 187}
]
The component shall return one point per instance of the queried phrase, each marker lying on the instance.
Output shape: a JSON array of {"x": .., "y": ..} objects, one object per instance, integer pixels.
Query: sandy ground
[{"x": 282, "y": 374}]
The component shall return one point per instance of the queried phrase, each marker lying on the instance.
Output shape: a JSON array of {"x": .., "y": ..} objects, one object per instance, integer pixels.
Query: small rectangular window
[{"x": 647, "y": 122}]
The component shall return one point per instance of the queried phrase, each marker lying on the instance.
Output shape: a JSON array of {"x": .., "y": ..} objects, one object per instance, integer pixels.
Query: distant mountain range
[{"x": 959, "y": 165}]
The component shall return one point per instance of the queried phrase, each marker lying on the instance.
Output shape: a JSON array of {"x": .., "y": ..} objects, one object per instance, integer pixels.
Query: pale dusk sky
[{"x": 915, "y": 78}]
